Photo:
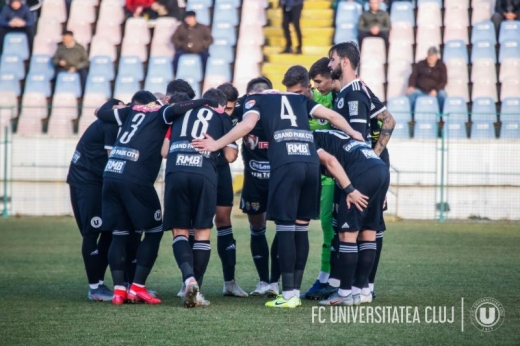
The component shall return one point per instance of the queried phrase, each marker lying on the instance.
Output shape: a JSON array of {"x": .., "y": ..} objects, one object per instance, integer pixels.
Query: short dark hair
[
  {"x": 180, "y": 85},
  {"x": 178, "y": 97},
  {"x": 229, "y": 90},
  {"x": 320, "y": 67},
  {"x": 216, "y": 95},
  {"x": 190, "y": 14},
  {"x": 296, "y": 74},
  {"x": 349, "y": 50},
  {"x": 257, "y": 81},
  {"x": 67, "y": 32},
  {"x": 143, "y": 97}
]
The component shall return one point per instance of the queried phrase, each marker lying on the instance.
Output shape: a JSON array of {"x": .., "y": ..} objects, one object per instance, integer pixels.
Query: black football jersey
[
  {"x": 284, "y": 118},
  {"x": 375, "y": 125},
  {"x": 354, "y": 156},
  {"x": 182, "y": 157},
  {"x": 90, "y": 157},
  {"x": 221, "y": 158},
  {"x": 354, "y": 104}
]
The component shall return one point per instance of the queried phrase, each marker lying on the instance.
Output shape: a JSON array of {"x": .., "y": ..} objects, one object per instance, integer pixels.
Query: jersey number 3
[
  {"x": 287, "y": 111},
  {"x": 136, "y": 121}
]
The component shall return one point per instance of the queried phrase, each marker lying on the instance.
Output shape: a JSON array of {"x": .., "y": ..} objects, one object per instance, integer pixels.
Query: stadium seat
[
  {"x": 125, "y": 87},
  {"x": 509, "y": 49},
  {"x": 15, "y": 43},
  {"x": 109, "y": 30},
  {"x": 50, "y": 28},
  {"x": 82, "y": 31},
  {"x": 156, "y": 83},
  {"x": 481, "y": 11},
  {"x": 422, "y": 3},
  {"x": 509, "y": 30},
  {"x": 102, "y": 65},
  {"x": 396, "y": 86},
  {"x": 90, "y": 103},
  {"x": 402, "y": 11},
  {"x": 399, "y": 69},
  {"x": 160, "y": 66},
  {"x": 254, "y": 51},
  {"x": 201, "y": 11},
  {"x": 98, "y": 85},
  {"x": 42, "y": 64},
  {"x": 483, "y": 50},
  {"x": 225, "y": 13},
  {"x": 9, "y": 83},
  {"x": 253, "y": 13},
  {"x": 161, "y": 49},
  {"x": 134, "y": 47},
  {"x": 510, "y": 88},
  {"x": 67, "y": 82},
  {"x": 373, "y": 70},
  {"x": 456, "y": 31},
  {"x": 458, "y": 87},
  {"x": 426, "y": 117},
  {"x": 234, "y": 3},
  {"x": 137, "y": 28},
  {"x": 483, "y": 31},
  {"x": 64, "y": 109},
  {"x": 212, "y": 82},
  {"x": 38, "y": 83},
  {"x": 374, "y": 49},
  {"x": 8, "y": 111},
  {"x": 195, "y": 85},
  {"x": 12, "y": 64},
  {"x": 190, "y": 67},
  {"x": 483, "y": 116},
  {"x": 509, "y": 67},
  {"x": 457, "y": 68},
  {"x": 463, "y": 3},
  {"x": 455, "y": 116},
  {"x": 428, "y": 34},
  {"x": 55, "y": 9},
  {"x": 455, "y": 50},
  {"x": 82, "y": 10},
  {"x": 205, "y": 3},
  {"x": 224, "y": 31},
  {"x": 429, "y": 13},
  {"x": 510, "y": 118},
  {"x": 401, "y": 31},
  {"x": 456, "y": 12},
  {"x": 376, "y": 85},
  {"x": 218, "y": 68},
  {"x": 484, "y": 69},
  {"x": 345, "y": 32},
  {"x": 102, "y": 46},
  {"x": 131, "y": 66},
  {"x": 399, "y": 107},
  {"x": 44, "y": 45},
  {"x": 164, "y": 28},
  {"x": 348, "y": 12},
  {"x": 34, "y": 109},
  {"x": 111, "y": 10},
  {"x": 400, "y": 51},
  {"x": 222, "y": 51},
  {"x": 484, "y": 87}
]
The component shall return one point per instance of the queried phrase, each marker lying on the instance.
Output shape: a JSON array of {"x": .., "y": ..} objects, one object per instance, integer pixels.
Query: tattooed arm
[{"x": 387, "y": 127}]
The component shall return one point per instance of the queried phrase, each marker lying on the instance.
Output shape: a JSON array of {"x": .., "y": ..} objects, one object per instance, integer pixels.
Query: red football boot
[{"x": 142, "y": 293}]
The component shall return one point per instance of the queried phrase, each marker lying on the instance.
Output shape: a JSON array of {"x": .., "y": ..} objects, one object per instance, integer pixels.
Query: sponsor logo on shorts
[
  {"x": 115, "y": 166},
  {"x": 341, "y": 103},
  {"x": 298, "y": 149},
  {"x": 250, "y": 206},
  {"x": 96, "y": 222},
  {"x": 353, "y": 108},
  {"x": 157, "y": 215},
  {"x": 124, "y": 153},
  {"x": 291, "y": 135},
  {"x": 369, "y": 153},
  {"x": 76, "y": 156},
  {"x": 189, "y": 160},
  {"x": 255, "y": 206}
]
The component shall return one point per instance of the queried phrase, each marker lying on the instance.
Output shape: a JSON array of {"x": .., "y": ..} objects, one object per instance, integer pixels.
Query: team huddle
[{"x": 308, "y": 153}]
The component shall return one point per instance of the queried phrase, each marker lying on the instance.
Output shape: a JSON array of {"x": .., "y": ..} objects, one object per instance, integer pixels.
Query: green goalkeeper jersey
[{"x": 326, "y": 101}]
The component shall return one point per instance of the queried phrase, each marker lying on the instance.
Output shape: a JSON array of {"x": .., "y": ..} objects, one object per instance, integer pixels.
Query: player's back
[
  {"x": 182, "y": 157},
  {"x": 284, "y": 118}
]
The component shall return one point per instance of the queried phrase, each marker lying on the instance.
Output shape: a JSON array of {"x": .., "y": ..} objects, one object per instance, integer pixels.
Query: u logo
[{"x": 487, "y": 315}]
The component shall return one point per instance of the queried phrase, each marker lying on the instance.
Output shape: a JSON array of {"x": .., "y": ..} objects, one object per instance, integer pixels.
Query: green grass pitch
[{"x": 43, "y": 291}]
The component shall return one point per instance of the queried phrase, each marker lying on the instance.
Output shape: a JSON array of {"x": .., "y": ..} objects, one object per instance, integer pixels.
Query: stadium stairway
[{"x": 317, "y": 24}]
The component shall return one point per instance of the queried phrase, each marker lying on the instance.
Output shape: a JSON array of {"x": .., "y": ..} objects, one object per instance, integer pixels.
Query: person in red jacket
[{"x": 139, "y": 8}]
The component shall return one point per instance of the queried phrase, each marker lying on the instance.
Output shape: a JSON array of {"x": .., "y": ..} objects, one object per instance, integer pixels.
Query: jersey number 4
[
  {"x": 287, "y": 111},
  {"x": 200, "y": 125}
]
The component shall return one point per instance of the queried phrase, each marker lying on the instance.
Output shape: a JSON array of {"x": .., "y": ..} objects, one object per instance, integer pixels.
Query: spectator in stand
[
  {"x": 374, "y": 23},
  {"x": 292, "y": 11},
  {"x": 71, "y": 57},
  {"x": 16, "y": 17},
  {"x": 505, "y": 10},
  {"x": 191, "y": 37},
  {"x": 139, "y": 8},
  {"x": 428, "y": 78},
  {"x": 166, "y": 8}
]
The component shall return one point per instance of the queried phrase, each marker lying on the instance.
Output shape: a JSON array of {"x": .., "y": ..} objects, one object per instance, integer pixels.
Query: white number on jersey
[
  {"x": 287, "y": 112},
  {"x": 200, "y": 125},
  {"x": 136, "y": 121}
]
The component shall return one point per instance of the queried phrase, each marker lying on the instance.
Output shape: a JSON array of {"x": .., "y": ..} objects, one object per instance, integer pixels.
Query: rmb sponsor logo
[
  {"x": 115, "y": 166},
  {"x": 370, "y": 154},
  {"x": 189, "y": 160},
  {"x": 298, "y": 149}
]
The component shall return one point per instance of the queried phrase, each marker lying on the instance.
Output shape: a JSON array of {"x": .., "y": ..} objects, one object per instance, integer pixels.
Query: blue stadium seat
[
  {"x": 98, "y": 85},
  {"x": 37, "y": 82},
  {"x": 426, "y": 117},
  {"x": 399, "y": 107},
  {"x": 510, "y": 118},
  {"x": 348, "y": 12},
  {"x": 455, "y": 49},
  {"x": 160, "y": 66},
  {"x": 235, "y": 3},
  {"x": 205, "y": 3},
  {"x": 509, "y": 30},
  {"x": 102, "y": 65},
  {"x": 12, "y": 64},
  {"x": 509, "y": 49},
  {"x": 225, "y": 13},
  {"x": 483, "y": 50},
  {"x": 484, "y": 31},
  {"x": 9, "y": 82},
  {"x": 190, "y": 67},
  {"x": 131, "y": 66},
  {"x": 402, "y": 11},
  {"x": 224, "y": 31},
  {"x": 345, "y": 32},
  {"x": 67, "y": 82},
  {"x": 483, "y": 116},
  {"x": 222, "y": 51},
  {"x": 125, "y": 86},
  {"x": 202, "y": 12},
  {"x": 455, "y": 116},
  {"x": 195, "y": 85},
  {"x": 156, "y": 83},
  {"x": 42, "y": 64},
  {"x": 218, "y": 68},
  {"x": 15, "y": 43}
]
